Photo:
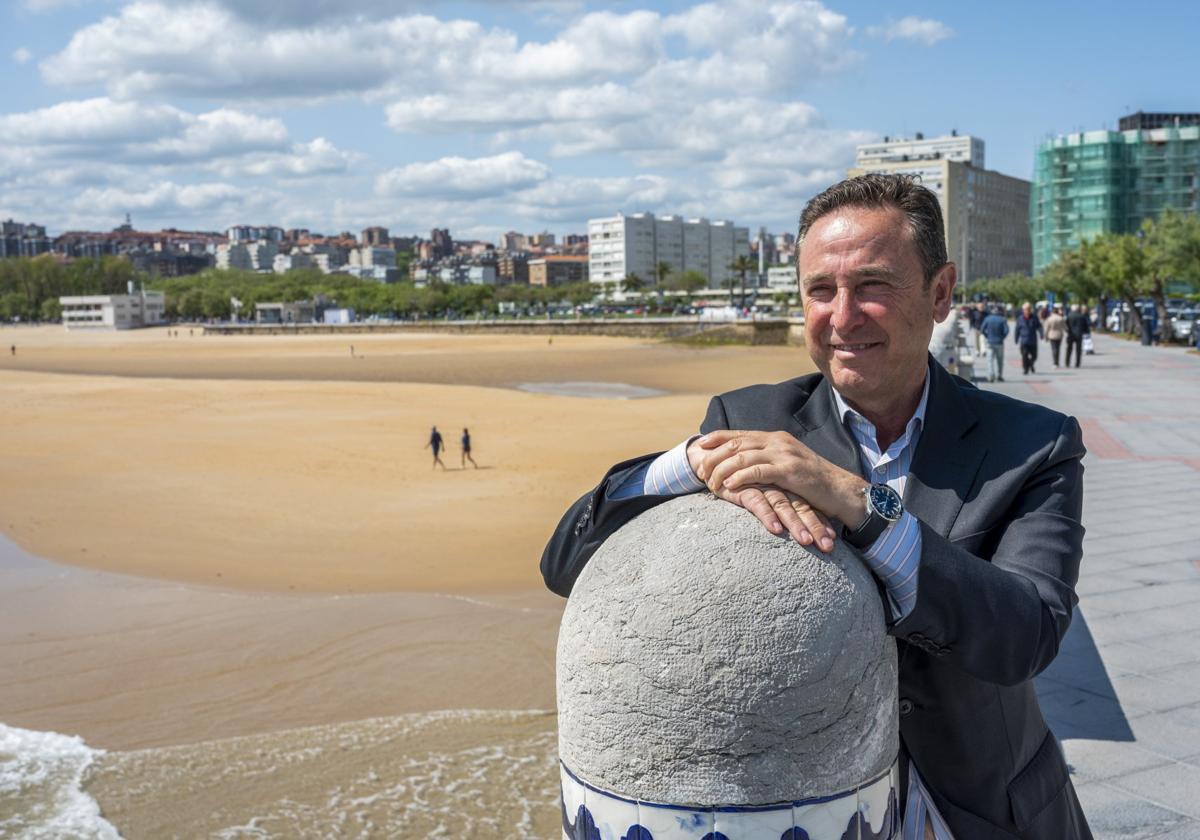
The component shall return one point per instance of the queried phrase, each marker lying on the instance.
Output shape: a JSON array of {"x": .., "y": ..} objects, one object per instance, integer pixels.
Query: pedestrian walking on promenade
[
  {"x": 1077, "y": 327},
  {"x": 995, "y": 329},
  {"x": 436, "y": 443},
  {"x": 466, "y": 449},
  {"x": 1056, "y": 328},
  {"x": 1026, "y": 335}
]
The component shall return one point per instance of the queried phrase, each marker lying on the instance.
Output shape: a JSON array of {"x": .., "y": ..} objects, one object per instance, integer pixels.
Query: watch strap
[{"x": 865, "y": 534}]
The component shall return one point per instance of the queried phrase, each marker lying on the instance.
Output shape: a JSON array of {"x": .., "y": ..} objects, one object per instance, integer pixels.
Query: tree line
[
  {"x": 1115, "y": 268},
  {"x": 30, "y": 289}
]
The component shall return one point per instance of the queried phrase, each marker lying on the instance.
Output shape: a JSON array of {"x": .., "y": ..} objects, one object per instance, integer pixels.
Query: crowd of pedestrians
[{"x": 989, "y": 326}]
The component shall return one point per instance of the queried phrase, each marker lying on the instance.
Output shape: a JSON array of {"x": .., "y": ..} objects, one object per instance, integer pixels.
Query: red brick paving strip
[{"x": 1100, "y": 443}]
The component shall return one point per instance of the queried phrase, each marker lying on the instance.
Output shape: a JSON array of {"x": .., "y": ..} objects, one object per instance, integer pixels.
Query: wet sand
[{"x": 239, "y": 714}]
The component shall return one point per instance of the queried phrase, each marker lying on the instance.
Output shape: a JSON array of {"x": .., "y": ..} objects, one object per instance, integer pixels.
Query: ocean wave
[
  {"x": 441, "y": 774},
  {"x": 41, "y": 787}
]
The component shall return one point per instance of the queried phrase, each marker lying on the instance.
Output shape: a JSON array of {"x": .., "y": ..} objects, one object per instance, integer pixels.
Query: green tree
[
  {"x": 661, "y": 271},
  {"x": 743, "y": 265},
  {"x": 633, "y": 283},
  {"x": 1172, "y": 248}
]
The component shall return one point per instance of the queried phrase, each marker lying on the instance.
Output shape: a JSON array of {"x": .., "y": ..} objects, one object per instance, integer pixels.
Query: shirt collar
[{"x": 914, "y": 423}]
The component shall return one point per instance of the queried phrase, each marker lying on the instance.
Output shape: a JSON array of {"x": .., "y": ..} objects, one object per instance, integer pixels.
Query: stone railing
[{"x": 764, "y": 331}]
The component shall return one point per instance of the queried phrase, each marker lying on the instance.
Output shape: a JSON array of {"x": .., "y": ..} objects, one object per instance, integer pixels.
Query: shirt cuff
[
  {"x": 895, "y": 558},
  {"x": 671, "y": 473}
]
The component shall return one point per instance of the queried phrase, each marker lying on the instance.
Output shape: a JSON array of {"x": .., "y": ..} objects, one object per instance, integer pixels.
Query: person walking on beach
[
  {"x": 436, "y": 444},
  {"x": 14, "y": 349},
  {"x": 1077, "y": 327},
  {"x": 466, "y": 449},
  {"x": 995, "y": 330},
  {"x": 1026, "y": 335},
  {"x": 1056, "y": 328}
]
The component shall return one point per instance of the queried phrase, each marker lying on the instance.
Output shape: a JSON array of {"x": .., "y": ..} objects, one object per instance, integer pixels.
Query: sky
[{"x": 534, "y": 115}]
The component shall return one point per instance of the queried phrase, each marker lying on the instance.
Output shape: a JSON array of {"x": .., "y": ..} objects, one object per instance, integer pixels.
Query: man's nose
[{"x": 846, "y": 312}]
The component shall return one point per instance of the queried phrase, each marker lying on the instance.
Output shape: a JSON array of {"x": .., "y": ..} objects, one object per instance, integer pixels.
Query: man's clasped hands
[{"x": 787, "y": 486}]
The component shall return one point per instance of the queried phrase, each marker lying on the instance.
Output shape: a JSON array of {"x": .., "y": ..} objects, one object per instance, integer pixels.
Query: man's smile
[{"x": 857, "y": 347}]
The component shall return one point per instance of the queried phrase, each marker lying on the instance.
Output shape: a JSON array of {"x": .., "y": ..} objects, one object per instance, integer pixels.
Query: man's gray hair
[{"x": 903, "y": 192}]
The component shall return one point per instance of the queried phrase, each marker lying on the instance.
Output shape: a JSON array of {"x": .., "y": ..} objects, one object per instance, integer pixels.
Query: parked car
[{"x": 1183, "y": 323}]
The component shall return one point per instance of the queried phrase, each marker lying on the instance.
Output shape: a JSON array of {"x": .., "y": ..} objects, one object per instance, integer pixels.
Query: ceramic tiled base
[{"x": 866, "y": 813}]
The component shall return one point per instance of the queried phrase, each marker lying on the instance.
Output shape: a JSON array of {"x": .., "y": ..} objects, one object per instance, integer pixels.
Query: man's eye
[{"x": 820, "y": 292}]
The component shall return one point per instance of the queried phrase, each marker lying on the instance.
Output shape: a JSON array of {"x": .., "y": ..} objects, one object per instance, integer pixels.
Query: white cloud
[
  {"x": 925, "y": 30},
  {"x": 463, "y": 177},
  {"x": 21, "y": 55},
  {"x": 695, "y": 111},
  {"x": 103, "y": 130},
  {"x": 305, "y": 160}
]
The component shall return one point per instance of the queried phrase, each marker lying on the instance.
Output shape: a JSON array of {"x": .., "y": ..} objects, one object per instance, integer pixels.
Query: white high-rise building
[
  {"x": 250, "y": 256},
  {"x": 962, "y": 148},
  {"x": 986, "y": 213},
  {"x": 622, "y": 245}
]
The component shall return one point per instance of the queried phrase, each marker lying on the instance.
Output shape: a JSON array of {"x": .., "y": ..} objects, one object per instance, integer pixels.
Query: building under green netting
[{"x": 1095, "y": 182}]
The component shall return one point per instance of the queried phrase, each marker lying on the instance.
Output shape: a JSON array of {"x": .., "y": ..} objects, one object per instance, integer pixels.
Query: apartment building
[{"x": 621, "y": 245}]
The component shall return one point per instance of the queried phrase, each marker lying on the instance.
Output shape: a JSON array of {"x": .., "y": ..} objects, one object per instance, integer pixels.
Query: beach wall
[{"x": 770, "y": 331}]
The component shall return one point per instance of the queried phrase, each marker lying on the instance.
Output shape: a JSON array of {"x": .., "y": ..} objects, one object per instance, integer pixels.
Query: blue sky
[{"x": 535, "y": 114}]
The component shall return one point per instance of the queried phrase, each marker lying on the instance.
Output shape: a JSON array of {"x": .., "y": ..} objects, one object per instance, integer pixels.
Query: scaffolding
[{"x": 1095, "y": 182}]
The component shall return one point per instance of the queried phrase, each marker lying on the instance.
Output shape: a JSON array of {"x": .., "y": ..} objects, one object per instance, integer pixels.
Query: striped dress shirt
[{"x": 894, "y": 557}]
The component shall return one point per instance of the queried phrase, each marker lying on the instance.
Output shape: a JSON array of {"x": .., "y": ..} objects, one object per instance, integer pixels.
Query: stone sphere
[{"x": 704, "y": 661}]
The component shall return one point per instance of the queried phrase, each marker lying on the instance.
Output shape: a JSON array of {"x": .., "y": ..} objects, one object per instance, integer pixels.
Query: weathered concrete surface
[{"x": 703, "y": 661}]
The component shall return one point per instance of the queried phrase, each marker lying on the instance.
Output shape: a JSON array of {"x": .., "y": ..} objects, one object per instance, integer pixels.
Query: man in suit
[{"x": 964, "y": 503}]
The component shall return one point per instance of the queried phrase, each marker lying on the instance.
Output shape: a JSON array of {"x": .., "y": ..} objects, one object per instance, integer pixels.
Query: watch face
[{"x": 886, "y": 502}]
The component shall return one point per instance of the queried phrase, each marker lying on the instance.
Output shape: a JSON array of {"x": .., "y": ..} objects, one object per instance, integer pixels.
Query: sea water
[
  {"x": 41, "y": 795},
  {"x": 442, "y": 774}
]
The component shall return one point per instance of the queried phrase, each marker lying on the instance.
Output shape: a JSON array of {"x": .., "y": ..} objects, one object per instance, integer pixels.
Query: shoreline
[{"x": 232, "y": 664}]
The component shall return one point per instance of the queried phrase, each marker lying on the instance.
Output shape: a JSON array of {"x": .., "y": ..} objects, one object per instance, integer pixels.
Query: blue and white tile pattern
[{"x": 865, "y": 813}]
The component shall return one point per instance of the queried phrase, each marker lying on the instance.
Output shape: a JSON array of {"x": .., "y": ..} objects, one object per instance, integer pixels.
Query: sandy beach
[{"x": 229, "y": 564}]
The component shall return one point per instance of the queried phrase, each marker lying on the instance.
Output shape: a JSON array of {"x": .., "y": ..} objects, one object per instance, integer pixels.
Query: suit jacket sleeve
[
  {"x": 1002, "y": 621},
  {"x": 595, "y": 515}
]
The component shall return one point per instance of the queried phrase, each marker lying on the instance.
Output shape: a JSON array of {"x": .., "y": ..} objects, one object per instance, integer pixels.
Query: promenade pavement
[{"x": 1123, "y": 695}]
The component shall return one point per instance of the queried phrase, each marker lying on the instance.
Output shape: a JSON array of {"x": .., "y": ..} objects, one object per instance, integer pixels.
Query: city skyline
[{"x": 526, "y": 115}]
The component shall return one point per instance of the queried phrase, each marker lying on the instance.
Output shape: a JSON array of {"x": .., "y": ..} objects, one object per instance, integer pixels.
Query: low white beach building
[{"x": 114, "y": 312}]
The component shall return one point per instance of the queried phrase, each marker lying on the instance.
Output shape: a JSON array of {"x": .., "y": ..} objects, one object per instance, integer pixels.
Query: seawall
[{"x": 767, "y": 331}]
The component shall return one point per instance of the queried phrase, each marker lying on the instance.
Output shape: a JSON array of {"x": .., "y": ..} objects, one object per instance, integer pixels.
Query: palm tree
[
  {"x": 742, "y": 265},
  {"x": 633, "y": 283},
  {"x": 660, "y": 273}
]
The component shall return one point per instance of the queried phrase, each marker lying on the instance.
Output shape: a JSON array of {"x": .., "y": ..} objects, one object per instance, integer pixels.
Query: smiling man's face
[{"x": 868, "y": 314}]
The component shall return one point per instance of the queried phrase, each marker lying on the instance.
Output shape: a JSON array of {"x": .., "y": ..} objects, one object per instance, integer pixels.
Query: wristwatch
[{"x": 884, "y": 507}]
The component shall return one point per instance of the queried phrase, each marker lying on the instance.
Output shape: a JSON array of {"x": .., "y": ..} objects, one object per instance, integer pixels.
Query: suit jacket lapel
[
  {"x": 822, "y": 431},
  {"x": 947, "y": 457}
]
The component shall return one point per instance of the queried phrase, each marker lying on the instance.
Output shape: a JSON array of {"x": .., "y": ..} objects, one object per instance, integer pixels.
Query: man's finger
[
  {"x": 815, "y": 522},
  {"x": 753, "y": 500},
  {"x": 782, "y": 505},
  {"x": 721, "y": 464}
]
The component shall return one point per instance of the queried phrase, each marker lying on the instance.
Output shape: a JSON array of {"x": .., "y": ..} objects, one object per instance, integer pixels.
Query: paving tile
[
  {"x": 1115, "y": 813},
  {"x": 1147, "y": 657},
  {"x": 1175, "y": 786},
  {"x": 1091, "y": 760},
  {"x": 1188, "y": 830}
]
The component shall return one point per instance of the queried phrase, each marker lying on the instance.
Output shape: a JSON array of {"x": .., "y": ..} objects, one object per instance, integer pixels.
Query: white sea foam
[{"x": 41, "y": 794}]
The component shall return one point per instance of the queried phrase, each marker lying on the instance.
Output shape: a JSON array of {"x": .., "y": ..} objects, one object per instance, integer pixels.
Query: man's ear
[{"x": 943, "y": 284}]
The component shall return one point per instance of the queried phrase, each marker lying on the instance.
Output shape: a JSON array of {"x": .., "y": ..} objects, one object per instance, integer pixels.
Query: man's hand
[
  {"x": 737, "y": 465},
  {"x": 778, "y": 510}
]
